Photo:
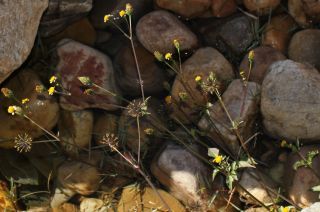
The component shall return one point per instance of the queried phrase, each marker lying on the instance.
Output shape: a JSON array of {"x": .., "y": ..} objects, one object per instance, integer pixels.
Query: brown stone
[
  {"x": 77, "y": 60},
  {"x": 305, "y": 47},
  {"x": 264, "y": 56},
  {"x": 261, "y": 7},
  {"x": 157, "y": 30},
  {"x": 19, "y": 23},
  {"x": 242, "y": 104},
  {"x": 105, "y": 123},
  {"x": 202, "y": 62},
  {"x": 126, "y": 73},
  {"x": 290, "y": 101},
  {"x": 305, "y": 12},
  {"x": 186, "y": 8},
  {"x": 299, "y": 182},
  {"x": 42, "y": 108},
  {"x": 278, "y": 32},
  {"x": 223, "y": 8}
]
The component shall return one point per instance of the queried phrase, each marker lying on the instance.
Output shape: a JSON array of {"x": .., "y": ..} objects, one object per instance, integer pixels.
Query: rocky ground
[{"x": 160, "y": 105}]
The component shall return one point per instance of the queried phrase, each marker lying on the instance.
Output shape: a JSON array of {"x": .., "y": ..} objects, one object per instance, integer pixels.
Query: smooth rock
[
  {"x": 264, "y": 56},
  {"x": 105, "y": 123},
  {"x": 305, "y": 12},
  {"x": 157, "y": 30},
  {"x": 76, "y": 60},
  {"x": 186, "y": 8},
  {"x": 299, "y": 182},
  {"x": 61, "y": 13},
  {"x": 201, "y": 63},
  {"x": 261, "y": 7},
  {"x": 314, "y": 207},
  {"x": 152, "y": 122},
  {"x": 185, "y": 175},
  {"x": 256, "y": 183},
  {"x": 42, "y": 108},
  {"x": 81, "y": 31},
  {"x": 102, "y": 8},
  {"x": 79, "y": 177},
  {"x": 242, "y": 104},
  {"x": 91, "y": 204},
  {"x": 231, "y": 35},
  {"x": 305, "y": 47},
  {"x": 126, "y": 73},
  {"x": 223, "y": 8},
  {"x": 75, "y": 130},
  {"x": 278, "y": 32},
  {"x": 19, "y": 23},
  {"x": 135, "y": 199},
  {"x": 289, "y": 101}
]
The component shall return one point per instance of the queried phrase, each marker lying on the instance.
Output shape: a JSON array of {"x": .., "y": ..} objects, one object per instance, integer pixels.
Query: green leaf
[
  {"x": 247, "y": 164},
  {"x": 299, "y": 164},
  {"x": 316, "y": 188},
  {"x": 213, "y": 152},
  {"x": 214, "y": 173}
]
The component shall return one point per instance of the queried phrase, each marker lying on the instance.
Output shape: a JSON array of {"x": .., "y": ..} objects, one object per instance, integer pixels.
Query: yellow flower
[
  {"x": 283, "y": 143},
  {"x": 11, "y": 110},
  {"x": 51, "y": 90},
  {"x": 198, "y": 78},
  {"x": 217, "y": 159},
  {"x": 15, "y": 110},
  {"x": 176, "y": 44},
  {"x": 24, "y": 101},
  {"x": 168, "y": 99},
  {"x": 53, "y": 79},
  {"x": 122, "y": 13},
  {"x": 106, "y": 18},
  {"x": 168, "y": 56},
  {"x": 286, "y": 209},
  {"x": 251, "y": 56}
]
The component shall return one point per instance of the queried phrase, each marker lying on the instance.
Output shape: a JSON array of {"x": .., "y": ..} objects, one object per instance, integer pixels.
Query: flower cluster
[{"x": 122, "y": 13}]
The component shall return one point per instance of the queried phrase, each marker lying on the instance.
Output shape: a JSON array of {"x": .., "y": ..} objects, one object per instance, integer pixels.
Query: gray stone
[
  {"x": 312, "y": 208},
  {"x": 19, "y": 23},
  {"x": 290, "y": 101}
]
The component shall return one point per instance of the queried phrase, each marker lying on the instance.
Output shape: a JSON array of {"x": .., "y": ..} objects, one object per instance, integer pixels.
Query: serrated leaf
[
  {"x": 213, "y": 152},
  {"x": 246, "y": 164},
  {"x": 214, "y": 173},
  {"x": 298, "y": 164}
]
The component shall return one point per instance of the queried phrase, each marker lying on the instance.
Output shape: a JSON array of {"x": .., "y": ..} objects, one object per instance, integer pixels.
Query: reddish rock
[
  {"x": 157, "y": 30},
  {"x": 261, "y": 7},
  {"x": 278, "y": 32},
  {"x": 263, "y": 57},
  {"x": 305, "y": 47},
  {"x": 186, "y": 8},
  {"x": 223, "y": 8},
  {"x": 305, "y": 12},
  {"x": 75, "y": 60}
]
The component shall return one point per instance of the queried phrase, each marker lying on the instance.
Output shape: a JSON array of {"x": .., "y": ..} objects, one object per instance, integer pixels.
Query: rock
[
  {"x": 42, "y": 108},
  {"x": 312, "y": 208},
  {"x": 75, "y": 130},
  {"x": 223, "y": 8},
  {"x": 305, "y": 12},
  {"x": 185, "y": 175},
  {"x": 61, "y": 13},
  {"x": 151, "y": 127},
  {"x": 263, "y": 57},
  {"x": 61, "y": 195},
  {"x": 66, "y": 207},
  {"x": 259, "y": 209},
  {"x": 259, "y": 7},
  {"x": 256, "y": 183},
  {"x": 231, "y": 35},
  {"x": 126, "y": 74},
  {"x": 102, "y": 8},
  {"x": 305, "y": 47},
  {"x": 186, "y": 8},
  {"x": 202, "y": 62},
  {"x": 289, "y": 106},
  {"x": 278, "y": 32},
  {"x": 105, "y": 123},
  {"x": 80, "y": 177},
  {"x": 91, "y": 204},
  {"x": 242, "y": 104},
  {"x": 136, "y": 199},
  {"x": 81, "y": 31},
  {"x": 19, "y": 24},
  {"x": 76, "y": 60},
  {"x": 157, "y": 30},
  {"x": 299, "y": 182}
]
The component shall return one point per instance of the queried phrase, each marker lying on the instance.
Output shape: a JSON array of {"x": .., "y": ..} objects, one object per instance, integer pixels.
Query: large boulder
[
  {"x": 19, "y": 23},
  {"x": 289, "y": 101}
]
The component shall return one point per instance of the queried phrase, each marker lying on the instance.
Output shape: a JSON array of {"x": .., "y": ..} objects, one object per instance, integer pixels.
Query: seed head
[
  {"x": 176, "y": 44},
  {"x": 129, "y": 9},
  {"x": 7, "y": 92},
  {"x": 251, "y": 56},
  {"x": 40, "y": 88},
  {"x": 23, "y": 143},
  {"x": 158, "y": 56},
  {"x": 111, "y": 140}
]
